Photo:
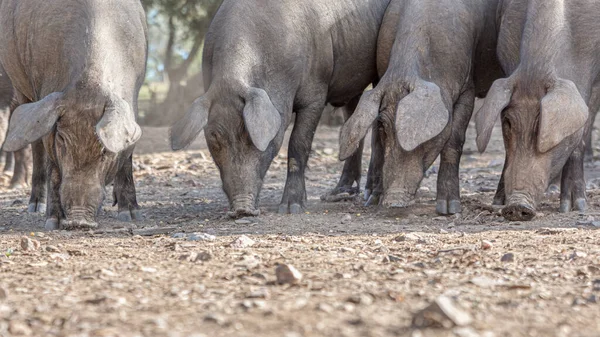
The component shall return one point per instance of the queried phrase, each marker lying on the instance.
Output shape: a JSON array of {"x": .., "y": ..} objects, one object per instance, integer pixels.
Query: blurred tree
[{"x": 176, "y": 32}]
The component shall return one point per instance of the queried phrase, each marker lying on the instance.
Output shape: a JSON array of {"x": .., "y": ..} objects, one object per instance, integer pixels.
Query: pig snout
[
  {"x": 79, "y": 218},
  {"x": 397, "y": 199},
  {"x": 520, "y": 207},
  {"x": 243, "y": 205}
]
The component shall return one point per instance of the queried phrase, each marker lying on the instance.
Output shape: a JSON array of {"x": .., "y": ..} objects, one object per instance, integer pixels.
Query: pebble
[
  {"x": 486, "y": 245},
  {"x": 28, "y": 244},
  {"x": 242, "y": 242},
  {"x": 201, "y": 237},
  {"x": 19, "y": 329},
  {"x": 196, "y": 256},
  {"x": 407, "y": 237},
  {"x": 577, "y": 255},
  {"x": 443, "y": 312},
  {"x": 508, "y": 257},
  {"x": 328, "y": 151},
  {"x": 392, "y": 258},
  {"x": 179, "y": 236},
  {"x": 346, "y": 218},
  {"x": 287, "y": 274},
  {"x": 52, "y": 249}
]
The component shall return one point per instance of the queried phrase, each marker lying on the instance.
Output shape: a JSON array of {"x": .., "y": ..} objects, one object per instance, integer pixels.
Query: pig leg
[
  {"x": 294, "y": 194},
  {"x": 124, "y": 193},
  {"x": 448, "y": 183},
  {"x": 8, "y": 167},
  {"x": 54, "y": 213},
  {"x": 21, "y": 174},
  {"x": 351, "y": 173},
  {"x": 374, "y": 186},
  {"x": 589, "y": 147},
  {"x": 572, "y": 188},
  {"x": 37, "y": 201}
]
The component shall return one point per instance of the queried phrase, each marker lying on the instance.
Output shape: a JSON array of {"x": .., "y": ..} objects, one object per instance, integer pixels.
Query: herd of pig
[{"x": 72, "y": 71}]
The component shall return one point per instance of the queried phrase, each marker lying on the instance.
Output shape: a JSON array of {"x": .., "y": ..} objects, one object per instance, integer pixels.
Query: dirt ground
[{"x": 365, "y": 271}]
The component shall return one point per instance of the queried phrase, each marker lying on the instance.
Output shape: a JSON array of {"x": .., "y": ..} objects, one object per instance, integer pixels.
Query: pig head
[
  {"x": 83, "y": 135},
  {"x": 542, "y": 125},
  {"x": 413, "y": 124},
  {"x": 244, "y": 133}
]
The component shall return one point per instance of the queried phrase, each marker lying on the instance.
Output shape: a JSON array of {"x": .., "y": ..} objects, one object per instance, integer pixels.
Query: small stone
[
  {"x": 378, "y": 242},
  {"x": 148, "y": 270},
  {"x": 486, "y": 245},
  {"x": 19, "y": 329},
  {"x": 324, "y": 307},
  {"x": 52, "y": 249},
  {"x": 201, "y": 237},
  {"x": 328, "y": 151},
  {"x": 195, "y": 256},
  {"x": 508, "y": 257},
  {"x": 179, "y": 236},
  {"x": 407, "y": 237},
  {"x": 443, "y": 312},
  {"x": 3, "y": 293},
  {"x": 347, "y": 250},
  {"x": 346, "y": 219},
  {"x": 577, "y": 255},
  {"x": 443, "y": 231},
  {"x": 28, "y": 244},
  {"x": 17, "y": 202},
  {"x": 592, "y": 299},
  {"x": 287, "y": 274},
  {"x": 242, "y": 242},
  {"x": 260, "y": 293},
  {"x": 364, "y": 299},
  {"x": 392, "y": 258},
  {"x": 58, "y": 257}
]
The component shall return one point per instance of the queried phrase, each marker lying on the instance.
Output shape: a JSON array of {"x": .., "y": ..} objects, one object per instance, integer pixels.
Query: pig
[
  {"x": 16, "y": 164},
  {"x": 550, "y": 50},
  {"x": 76, "y": 67},
  {"x": 434, "y": 58},
  {"x": 263, "y": 62}
]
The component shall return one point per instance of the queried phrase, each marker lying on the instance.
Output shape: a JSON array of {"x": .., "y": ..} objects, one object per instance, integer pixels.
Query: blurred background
[{"x": 174, "y": 74}]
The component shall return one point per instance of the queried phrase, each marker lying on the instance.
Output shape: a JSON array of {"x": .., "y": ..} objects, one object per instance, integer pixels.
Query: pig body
[
  {"x": 283, "y": 57},
  {"x": 551, "y": 51},
  {"x": 434, "y": 57},
  {"x": 76, "y": 67}
]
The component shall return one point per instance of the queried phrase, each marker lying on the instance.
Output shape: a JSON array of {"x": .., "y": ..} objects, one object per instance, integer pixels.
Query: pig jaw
[{"x": 402, "y": 175}]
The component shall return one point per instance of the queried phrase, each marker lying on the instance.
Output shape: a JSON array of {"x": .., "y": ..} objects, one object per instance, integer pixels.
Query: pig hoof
[
  {"x": 136, "y": 214},
  {"x": 444, "y": 207},
  {"x": 51, "y": 224},
  {"x": 373, "y": 200},
  {"x": 36, "y": 207},
  {"x": 295, "y": 209},
  {"x": 565, "y": 206},
  {"x": 518, "y": 212},
  {"x": 124, "y": 216},
  {"x": 581, "y": 205}
]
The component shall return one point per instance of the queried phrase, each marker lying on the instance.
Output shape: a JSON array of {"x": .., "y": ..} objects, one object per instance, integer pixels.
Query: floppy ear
[
  {"x": 117, "y": 129},
  {"x": 563, "y": 113},
  {"x": 420, "y": 116},
  {"x": 187, "y": 128},
  {"x": 356, "y": 127},
  {"x": 497, "y": 99},
  {"x": 30, "y": 122},
  {"x": 262, "y": 119}
]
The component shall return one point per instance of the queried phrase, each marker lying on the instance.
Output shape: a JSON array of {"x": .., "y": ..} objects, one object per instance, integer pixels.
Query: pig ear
[
  {"x": 420, "y": 116},
  {"x": 30, "y": 122},
  {"x": 356, "y": 127},
  {"x": 117, "y": 129},
  {"x": 187, "y": 128},
  {"x": 496, "y": 101},
  {"x": 262, "y": 119},
  {"x": 563, "y": 113}
]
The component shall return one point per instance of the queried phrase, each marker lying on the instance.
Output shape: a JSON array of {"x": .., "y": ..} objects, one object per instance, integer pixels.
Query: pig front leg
[
  {"x": 351, "y": 173},
  {"x": 124, "y": 193},
  {"x": 448, "y": 183},
  {"x": 374, "y": 185},
  {"x": 37, "y": 201},
  {"x": 294, "y": 194},
  {"x": 22, "y": 160},
  {"x": 572, "y": 187},
  {"x": 54, "y": 212}
]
